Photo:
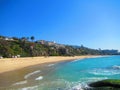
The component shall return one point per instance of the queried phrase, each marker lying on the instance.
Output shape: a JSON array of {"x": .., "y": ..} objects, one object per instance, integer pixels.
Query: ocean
[{"x": 70, "y": 75}]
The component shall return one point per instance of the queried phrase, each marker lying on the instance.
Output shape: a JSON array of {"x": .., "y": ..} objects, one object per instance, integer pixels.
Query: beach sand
[
  {"x": 11, "y": 64},
  {"x": 14, "y": 70}
]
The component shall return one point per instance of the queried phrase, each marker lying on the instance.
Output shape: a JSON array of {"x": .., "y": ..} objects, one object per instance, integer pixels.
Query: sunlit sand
[{"x": 10, "y": 64}]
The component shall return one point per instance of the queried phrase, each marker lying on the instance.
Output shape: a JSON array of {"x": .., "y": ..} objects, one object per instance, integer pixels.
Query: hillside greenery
[{"x": 26, "y": 48}]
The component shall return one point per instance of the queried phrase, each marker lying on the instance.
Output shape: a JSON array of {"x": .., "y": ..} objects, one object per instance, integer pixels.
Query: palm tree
[
  {"x": 32, "y": 38},
  {"x": 32, "y": 45}
]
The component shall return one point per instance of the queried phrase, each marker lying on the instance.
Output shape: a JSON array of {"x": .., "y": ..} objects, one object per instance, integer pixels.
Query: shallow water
[{"x": 72, "y": 75}]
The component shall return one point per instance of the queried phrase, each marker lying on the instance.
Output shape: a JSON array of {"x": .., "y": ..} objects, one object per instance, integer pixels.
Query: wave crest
[
  {"x": 103, "y": 72},
  {"x": 116, "y": 67},
  {"x": 32, "y": 73},
  {"x": 39, "y": 78}
]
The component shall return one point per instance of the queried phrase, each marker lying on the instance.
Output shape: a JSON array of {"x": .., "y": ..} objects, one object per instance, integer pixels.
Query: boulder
[{"x": 106, "y": 83}]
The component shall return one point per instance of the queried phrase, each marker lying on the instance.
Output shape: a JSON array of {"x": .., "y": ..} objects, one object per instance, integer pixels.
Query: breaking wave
[
  {"x": 106, "y": 72},
  {"x": 20, "y": 83},
  {"x": 39, "y": 78},
  {"x": 116, "y": 67},
  {"x": 51, "y": 65},
  {"x": 32, "y": 73},
  {"x": 29, "y": 88}
]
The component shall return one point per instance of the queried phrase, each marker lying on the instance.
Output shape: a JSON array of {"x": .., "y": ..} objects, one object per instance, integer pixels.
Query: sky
[{"x": 92, "y": 23}]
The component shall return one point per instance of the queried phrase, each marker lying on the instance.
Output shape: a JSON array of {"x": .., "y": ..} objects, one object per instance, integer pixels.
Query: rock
[{"x": 106, "y": 83}]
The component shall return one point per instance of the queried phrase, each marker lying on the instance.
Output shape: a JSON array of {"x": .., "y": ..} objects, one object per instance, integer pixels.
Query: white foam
[
  {"x": 39, "y": 78},
  {"x": 20, "y": 83},
  {"x": 77, "y": 87},
  {"x": 32, "y": 73},
  {"x": 104, "y": 72},
  {"x": 51, "y": 65},
  {"x": 69, "y": 85},
  {"x": 29, "y": 88},
  {"x": 76, "y": 60},
  {"x": 92, "y": 79},
  {"x": 116, "y": 67},
  {"x": 82, "y": 84},
  {"x": 65, "y": 85}
]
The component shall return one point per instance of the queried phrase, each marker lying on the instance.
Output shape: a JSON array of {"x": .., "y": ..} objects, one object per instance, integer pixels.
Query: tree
[{"x": 32, "y": 38}]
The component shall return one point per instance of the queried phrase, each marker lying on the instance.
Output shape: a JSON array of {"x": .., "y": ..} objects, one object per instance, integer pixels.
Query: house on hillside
[
  {"x": 49, "y": 43},
  {"x": 41, "y": 42},
  {"x": 8, "y": 39}
]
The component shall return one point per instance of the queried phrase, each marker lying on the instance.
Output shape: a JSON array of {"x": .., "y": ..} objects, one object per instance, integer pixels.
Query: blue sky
[{"x": 93, "y": 23}]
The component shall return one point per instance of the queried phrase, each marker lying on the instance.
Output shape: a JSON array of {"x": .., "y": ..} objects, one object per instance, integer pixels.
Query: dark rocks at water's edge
[
  {"x": 108, "y": 84},
  {"x": 102, "y": 88}
]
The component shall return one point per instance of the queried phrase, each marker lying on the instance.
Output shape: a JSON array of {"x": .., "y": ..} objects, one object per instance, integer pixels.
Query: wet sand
[{"x": 10, "y": 78}]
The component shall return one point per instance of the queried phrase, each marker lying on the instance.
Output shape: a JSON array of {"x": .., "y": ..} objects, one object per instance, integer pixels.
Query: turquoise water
[{"x": 76, "y": 75}]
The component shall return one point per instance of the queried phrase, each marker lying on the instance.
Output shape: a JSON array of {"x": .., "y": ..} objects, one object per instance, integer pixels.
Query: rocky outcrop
[{"x": 106, "y": 83}]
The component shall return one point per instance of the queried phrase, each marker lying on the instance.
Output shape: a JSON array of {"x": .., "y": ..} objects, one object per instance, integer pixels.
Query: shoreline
[{"x": 11, "y": 64}]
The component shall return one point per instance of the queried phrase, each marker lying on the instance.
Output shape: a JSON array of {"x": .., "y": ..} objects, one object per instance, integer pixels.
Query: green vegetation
[{"x": 22, "y": 46}]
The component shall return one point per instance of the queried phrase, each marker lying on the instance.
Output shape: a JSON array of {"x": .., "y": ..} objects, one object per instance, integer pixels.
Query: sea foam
[
  {"x": 32, "y": 73},
  {"x": 51, "y": 65},
  {"x": 29, "y": 88},
  {"x": 77, "y": 87},
  {"x": 76, "y": 60},
  {"x": 103, "y": 72},
  {"x": 20, "y": 83},
  {"x": 39, "y": 78},
  {"x": 116, "y": 67}
]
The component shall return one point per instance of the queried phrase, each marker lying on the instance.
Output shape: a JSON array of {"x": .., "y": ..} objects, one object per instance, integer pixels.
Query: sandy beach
[{"x": 10, "y": 64}]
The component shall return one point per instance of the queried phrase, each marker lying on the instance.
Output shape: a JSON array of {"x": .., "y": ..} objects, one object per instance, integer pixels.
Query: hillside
[{"x": 23, "y": 47}]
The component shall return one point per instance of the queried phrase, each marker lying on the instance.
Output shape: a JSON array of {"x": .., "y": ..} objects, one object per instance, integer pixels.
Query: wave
[
  {"x": 29, "y": 88},
  {"x": 76, "y": 60},
  {"x": 20, "y": 83},
  {"x": 39, "y": 78},
  {"x": 77, "y": 87},
  {"x": 91, "y": 79},
  {"x": 82, "y": 84},
  {"x": 116, "y": 67},
  {"x": 104, "y": 72},
  {"x": 51, "y": 65},
  {"x": 32, "y": 73},
  {"x": 61, "y": 84}
]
